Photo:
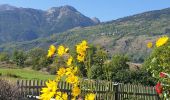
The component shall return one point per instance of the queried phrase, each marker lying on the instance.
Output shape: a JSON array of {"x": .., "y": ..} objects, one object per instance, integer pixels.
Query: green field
[{"x": 24, "y": 74}]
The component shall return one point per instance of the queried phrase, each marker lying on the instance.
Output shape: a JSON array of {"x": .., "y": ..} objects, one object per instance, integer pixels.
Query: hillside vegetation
[{"x": 127, "y": 35}]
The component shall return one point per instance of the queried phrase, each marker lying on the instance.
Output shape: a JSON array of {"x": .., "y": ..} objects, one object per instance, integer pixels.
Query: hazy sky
[{"x": 105, "y": 10}]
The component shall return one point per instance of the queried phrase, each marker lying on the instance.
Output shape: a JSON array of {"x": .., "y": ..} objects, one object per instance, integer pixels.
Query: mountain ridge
[
  {"x": 16, "y": 24},
  {"x": 136, "y": 15}
]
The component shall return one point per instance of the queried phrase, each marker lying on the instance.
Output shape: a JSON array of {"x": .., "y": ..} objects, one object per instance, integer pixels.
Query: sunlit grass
[{"x": 24, "y": 74}]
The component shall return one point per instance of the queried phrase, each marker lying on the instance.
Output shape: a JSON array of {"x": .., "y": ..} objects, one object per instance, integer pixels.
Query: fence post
[
  {"x": 18, "y": 86},
  {"x": 116, "y": 91}
]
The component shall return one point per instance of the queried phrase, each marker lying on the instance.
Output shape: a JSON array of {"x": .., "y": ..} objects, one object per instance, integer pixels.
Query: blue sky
[{"x": 105, "y": 10}]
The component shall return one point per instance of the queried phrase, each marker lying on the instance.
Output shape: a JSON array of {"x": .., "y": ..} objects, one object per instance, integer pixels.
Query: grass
[{"x": 15, "y": 74}]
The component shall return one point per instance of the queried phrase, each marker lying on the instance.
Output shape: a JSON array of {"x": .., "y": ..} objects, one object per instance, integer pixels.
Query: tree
[
  {"x": 99, "y": 58},
  {"x": 19, "y": 58},
  {"x": 118, "y": 67},
  {"x": 38, "y": 58},
  {"x": 119, "y": 62},
  {"x": 110, "y": 69}
]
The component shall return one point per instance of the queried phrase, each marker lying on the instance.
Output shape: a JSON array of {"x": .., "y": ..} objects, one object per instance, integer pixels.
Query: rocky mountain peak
[
  {"x": 65, "y": 8},
  {"x": 96, "y": 20}
]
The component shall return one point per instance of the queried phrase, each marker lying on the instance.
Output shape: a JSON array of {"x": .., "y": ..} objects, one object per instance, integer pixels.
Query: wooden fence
[
  {"x": 136, "y": 92},
  {"x": 104, "y": 90}
]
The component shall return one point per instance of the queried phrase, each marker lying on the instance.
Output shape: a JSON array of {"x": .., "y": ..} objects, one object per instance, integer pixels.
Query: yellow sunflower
[
  {"x": 51, "y": 51},
  {"x": 65, "y": 96},
  {"x": 80, "y": 58},
  {"x": 62, "y": 50},
  {"x": 71, "y": 70},
  {"x": 61, "y": 72},
  {"x": 161, "y": 41},
  {"x": 72, "y": 79},
  {"x": 76, "y": 91},
  {"x": 81, "y": 47},
  {"x": 149, "y": 44},
  {"x": 69, "y": 61},
  {"x": 81, "y": 50},
  {"x": 49, "y": 91},
  {"x": 90, "y": 96},
  {"x": 58, "y": 96}
]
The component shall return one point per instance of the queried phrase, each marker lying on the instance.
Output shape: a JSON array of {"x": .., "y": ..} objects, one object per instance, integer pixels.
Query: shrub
[
  {"x": 19, "y": 58},
  {"x": 158, "y": 64},
  {"x": 67, "y": 72},
  {"x": 8, "y": 91},
  {"x": 38, "y": 59},
  {"x": 4, "y": 56}
]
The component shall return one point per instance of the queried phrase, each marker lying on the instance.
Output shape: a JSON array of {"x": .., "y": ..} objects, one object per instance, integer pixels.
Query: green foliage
[
  {"x": 89, "y": 62},
  {"x": 19, "y": 58},
  {"x": 158, "y": 64},
  {"x": 52, "y": 69},
  {"x": 117, "y": 70},
  {"x": 143, "y": 77},
  {"x": 159, "y": 60},
  {"x": 119, "y": 62},
  {"x": 4, "y": 56},
  {"x": 38, "y": 58},
  {"x": 101, "y": 66},
  {"x": 99, "y": 58},
  {"x": 95, "y": 58},
  {"x": 111, "y": 69},
  {"x": 122, "y": 76},
  {"x": 97, "y": 73}
]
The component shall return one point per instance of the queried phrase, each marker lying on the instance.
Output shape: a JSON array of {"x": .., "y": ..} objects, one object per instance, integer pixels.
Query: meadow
[{"x": 24, "y": 74}]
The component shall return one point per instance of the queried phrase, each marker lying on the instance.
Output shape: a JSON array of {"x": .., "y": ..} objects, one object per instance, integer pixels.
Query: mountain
[
  {"x": 128, "y": 35},
  {"x": 7, "y": 7},
  {"x": 24, "y": 24}
]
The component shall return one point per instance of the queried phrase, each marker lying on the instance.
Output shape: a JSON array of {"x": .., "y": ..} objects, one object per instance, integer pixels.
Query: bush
[
  {"x": 38, "y": 59},
  {"x": 143, "y": 77},
  {"x": 118, "y": 70},
  {"x": 158, "y": 64},
  {"x": 19, "y": 58},
  {"x": 4, "y": 56},
  {"x": 158, "y": 61},
  {"x": 8, "y": 91},
  {"x": 111, "y": 69}
]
